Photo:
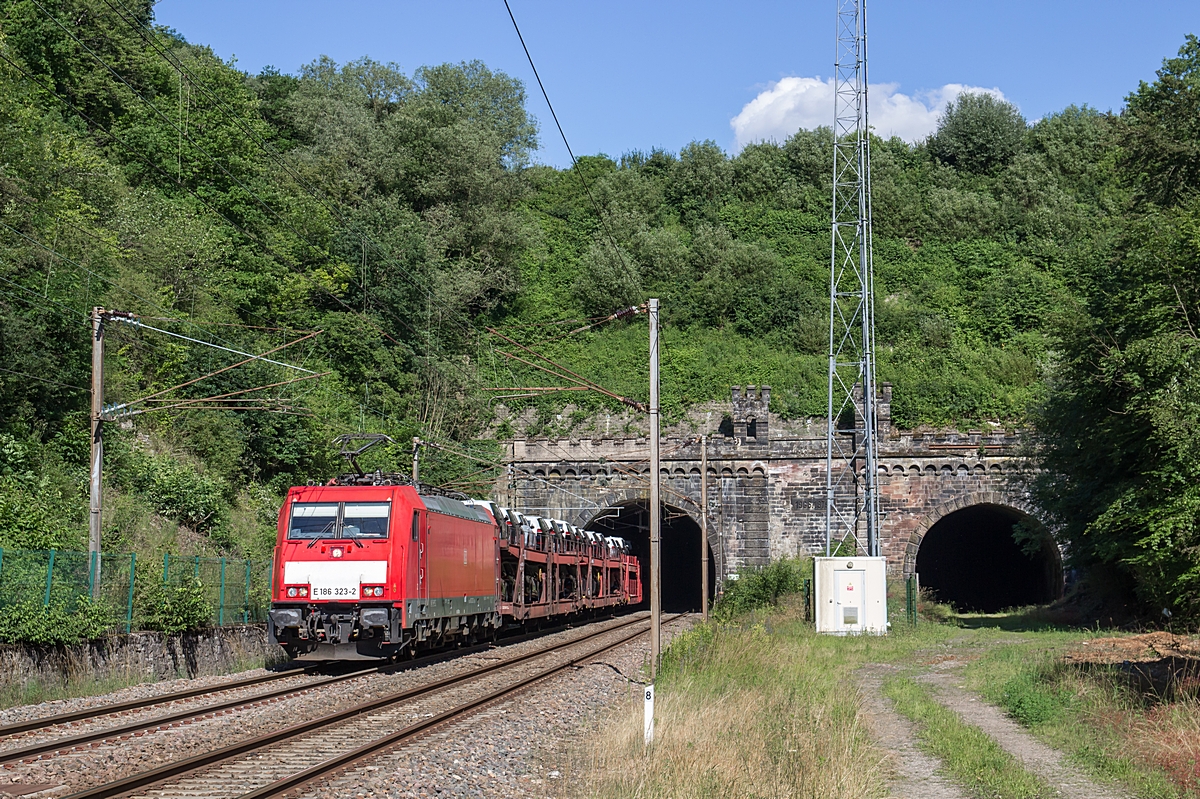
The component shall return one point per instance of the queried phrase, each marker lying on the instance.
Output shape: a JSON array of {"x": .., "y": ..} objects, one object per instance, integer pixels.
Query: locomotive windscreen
[
  {"x": 313, "y": 520},
  {"x": 366, "y": 519},
  {"x": 339, "y": 520}
]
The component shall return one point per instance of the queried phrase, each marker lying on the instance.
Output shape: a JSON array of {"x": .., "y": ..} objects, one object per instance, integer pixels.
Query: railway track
[
  {"x": 279, "y": 762},
  {"x": 119, "y": 708},
  {"x": 46, "y": 725}
]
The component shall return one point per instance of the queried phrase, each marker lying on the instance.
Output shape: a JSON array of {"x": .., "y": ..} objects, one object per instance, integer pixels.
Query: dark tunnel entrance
[
  {"x": 970, "y": 559},
  {"x": 681, "y": 557}
]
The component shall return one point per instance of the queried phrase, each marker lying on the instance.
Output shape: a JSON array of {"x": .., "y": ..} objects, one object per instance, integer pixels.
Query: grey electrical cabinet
[{"x": 850, "y": 595}]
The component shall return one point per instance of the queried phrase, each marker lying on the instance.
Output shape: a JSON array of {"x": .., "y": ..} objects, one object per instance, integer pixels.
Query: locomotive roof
[{"x": 452, "y": 507}]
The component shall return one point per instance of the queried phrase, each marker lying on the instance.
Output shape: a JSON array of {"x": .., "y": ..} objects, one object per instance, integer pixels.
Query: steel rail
[
  {"x": 44, "y": 722},
  {"x": 329, "y": 767},
  {"x": 162, "y": 773},
  {"x": 72, "y": 741}
]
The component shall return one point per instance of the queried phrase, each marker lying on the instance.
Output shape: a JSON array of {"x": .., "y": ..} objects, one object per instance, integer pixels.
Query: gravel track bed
[
  {"x": 520, "y": 747},
  {"x": 21, "y": 713},
  {"x": 286, "y": 758},
  {"x": 104, "y": 761},
  {"x": 147, "y": 714}
]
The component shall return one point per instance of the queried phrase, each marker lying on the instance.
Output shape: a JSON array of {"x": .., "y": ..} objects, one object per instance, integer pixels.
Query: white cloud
[{"x": 787, "y": 105}]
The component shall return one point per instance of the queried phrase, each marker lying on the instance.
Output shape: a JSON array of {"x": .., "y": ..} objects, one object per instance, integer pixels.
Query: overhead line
[
  {"x": 145, "y": 326},
  {"x": 574, "y": 162}
]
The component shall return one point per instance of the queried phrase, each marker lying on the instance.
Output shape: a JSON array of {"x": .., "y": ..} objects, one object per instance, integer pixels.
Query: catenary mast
[{"x": 851, "y": 498}]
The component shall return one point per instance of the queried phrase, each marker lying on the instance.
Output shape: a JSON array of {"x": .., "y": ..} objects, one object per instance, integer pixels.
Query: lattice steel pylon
[{"x": 852, "y": 501}]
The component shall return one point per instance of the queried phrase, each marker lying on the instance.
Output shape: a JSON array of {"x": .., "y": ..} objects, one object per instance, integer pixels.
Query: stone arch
[
  {"x": 973, "y": 561},
  {"x": 625, "y": 513},
  {"x": 941, "y": 511}
]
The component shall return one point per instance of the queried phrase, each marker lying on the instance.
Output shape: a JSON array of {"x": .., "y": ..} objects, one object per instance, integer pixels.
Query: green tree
[
  {"x": 978, "y": 133},
  {"x": 1161, "y": 135}
]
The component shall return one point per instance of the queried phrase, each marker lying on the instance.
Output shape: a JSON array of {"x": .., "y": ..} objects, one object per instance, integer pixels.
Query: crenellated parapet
[{"x": 766, "y": 494}]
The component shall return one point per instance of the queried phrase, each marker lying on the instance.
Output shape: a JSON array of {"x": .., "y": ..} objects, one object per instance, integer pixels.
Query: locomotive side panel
[{"x": 460, "y": 559}]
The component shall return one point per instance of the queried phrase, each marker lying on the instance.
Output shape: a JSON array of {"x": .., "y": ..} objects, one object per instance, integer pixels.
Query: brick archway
[{"x": 969, "y": 500}]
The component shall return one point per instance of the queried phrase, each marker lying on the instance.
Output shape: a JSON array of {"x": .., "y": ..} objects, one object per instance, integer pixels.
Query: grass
[
  {"x": 755, "y": 709},
  {"x": 762, "y": 706},
  {"x": 1149, "y": 747},
  {"x": 969, "y": 756},
  {"x": 758, "y": 707},
  {"x": 33, "y": 692}
]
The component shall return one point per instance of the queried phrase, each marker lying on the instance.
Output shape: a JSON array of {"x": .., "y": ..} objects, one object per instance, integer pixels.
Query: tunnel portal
[
  {"x": 681, "y": 552},
  {"x": 970, "y": 559}
]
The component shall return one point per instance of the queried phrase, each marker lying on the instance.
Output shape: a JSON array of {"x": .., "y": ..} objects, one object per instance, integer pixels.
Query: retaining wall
[{"x": 138, "y": 657}]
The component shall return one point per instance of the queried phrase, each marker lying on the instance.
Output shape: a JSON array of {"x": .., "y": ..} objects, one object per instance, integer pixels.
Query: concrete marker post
[{"x": 648, "y": 721}]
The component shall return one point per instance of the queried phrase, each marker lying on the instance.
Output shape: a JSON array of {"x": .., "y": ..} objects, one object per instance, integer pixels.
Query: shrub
[
  {"x": 1031, "y": 699},
  {"x": 762, "y": 586},
  {"x": 30, "y": 622},
  {"x": 175, "y": 609},
  {"x": 179, "y": 492}
]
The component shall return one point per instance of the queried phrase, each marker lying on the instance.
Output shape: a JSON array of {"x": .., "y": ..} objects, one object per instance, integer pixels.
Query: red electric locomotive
[{"x": 383, "y": 570}]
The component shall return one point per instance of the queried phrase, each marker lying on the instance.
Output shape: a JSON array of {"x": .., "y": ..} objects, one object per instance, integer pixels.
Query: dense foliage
[
  {"x": 762, "y": 587},
  {"x": 1047, "y": 265},
  {"x": 1118, "y": 433}
]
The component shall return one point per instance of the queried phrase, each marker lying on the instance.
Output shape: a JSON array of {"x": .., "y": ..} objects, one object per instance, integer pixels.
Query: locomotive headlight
[
  {"x": 303, "y": 592},
  {"x": 337, "y": 553},
  {"x": 379, "y": 590},
  {"x": 291, "y": 592}
]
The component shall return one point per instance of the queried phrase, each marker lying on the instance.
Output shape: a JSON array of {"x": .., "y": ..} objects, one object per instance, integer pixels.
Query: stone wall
[
  {"x": 767, "y": 494},
  {"x": 138, "y": 657}
]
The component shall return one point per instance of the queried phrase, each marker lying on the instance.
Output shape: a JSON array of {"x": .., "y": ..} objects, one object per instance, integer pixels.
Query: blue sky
[{"x": 634, "y": 75}]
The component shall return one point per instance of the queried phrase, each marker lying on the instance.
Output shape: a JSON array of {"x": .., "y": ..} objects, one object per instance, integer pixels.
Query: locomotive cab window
[
  {"x": 314, "y": 520},
  {"x": 365, "y": 520}
]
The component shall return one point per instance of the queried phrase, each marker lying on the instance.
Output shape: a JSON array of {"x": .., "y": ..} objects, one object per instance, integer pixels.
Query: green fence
[{"x": 238, "y": 591}]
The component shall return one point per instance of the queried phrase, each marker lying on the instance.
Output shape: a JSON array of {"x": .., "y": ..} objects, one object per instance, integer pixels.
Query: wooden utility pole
[
  {"x": 655, "y": 506},
  {"x": 704, "y": 524},
  {"x": 96, "y": 497}
]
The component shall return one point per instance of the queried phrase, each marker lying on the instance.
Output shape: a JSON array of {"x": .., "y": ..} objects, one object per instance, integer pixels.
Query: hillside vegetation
[{"x": 1025, "y": 272}]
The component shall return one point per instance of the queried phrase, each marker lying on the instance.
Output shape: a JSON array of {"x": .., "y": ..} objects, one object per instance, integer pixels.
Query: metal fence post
[
  {"x": 196, "y": 569},
  {"x": 221, "y": 601},
  {"x": 246, "y": 596},
  {"x": 1, "y": 560},
  {"x": 166, "y": 567},
  {"x": 129, "y": 605},
  {"x": 92, "y": 556},
  {"x": 49, "y": 578}
]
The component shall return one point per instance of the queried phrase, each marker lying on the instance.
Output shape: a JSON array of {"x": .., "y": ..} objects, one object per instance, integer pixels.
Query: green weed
[{"x": 968, "y": 755}]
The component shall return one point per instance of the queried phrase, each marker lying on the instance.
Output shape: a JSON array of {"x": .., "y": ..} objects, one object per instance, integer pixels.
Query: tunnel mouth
[
  {"x": 971, "y": 560},
  {"x": 680, "y": 548}
]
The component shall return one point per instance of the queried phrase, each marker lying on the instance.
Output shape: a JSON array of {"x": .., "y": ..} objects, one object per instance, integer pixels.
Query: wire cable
[{"x": 574, "y": 162}]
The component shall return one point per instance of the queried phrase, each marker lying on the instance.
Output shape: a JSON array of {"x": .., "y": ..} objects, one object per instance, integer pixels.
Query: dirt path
[
  {"x": 916, "y": 774},
  {"x": 1035, "y": 756}
]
